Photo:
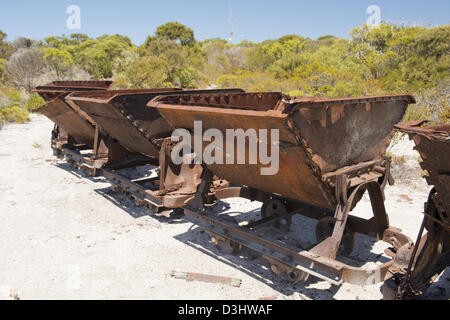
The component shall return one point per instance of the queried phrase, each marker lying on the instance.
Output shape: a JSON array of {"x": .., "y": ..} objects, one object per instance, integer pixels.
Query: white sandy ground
[{"x": 66, "y": 236}]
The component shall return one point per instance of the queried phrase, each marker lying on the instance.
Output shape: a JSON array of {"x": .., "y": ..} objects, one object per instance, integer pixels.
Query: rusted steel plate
[
  {"x": 51, "y": 90},
  {"x": 125, "y": 117},
  {"x": 70, "y": 118},
  {"x": 71, "y": 85},
  {"x": 191, "y": 276},
  {"x": 293, "y": 170},
  {"x": 317, "y": 136},
  {"x": 77, "y": 126},
  {"x": 68, "y": 86},
  {"x": 343, "y": 132},
  {"x": 433, "y": 144}
]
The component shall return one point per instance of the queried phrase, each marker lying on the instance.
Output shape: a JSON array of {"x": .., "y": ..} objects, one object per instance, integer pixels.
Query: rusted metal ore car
[
  {"x": 71, "y": 125},
  {"x": 75, "y": 131},
  {"x": 331, "y": 151},
  {"x": 431, "y": 254},
  {"x": 141, "y": 131}
]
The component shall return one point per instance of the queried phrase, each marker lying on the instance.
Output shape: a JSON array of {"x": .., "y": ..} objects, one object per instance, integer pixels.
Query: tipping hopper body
[
  {"x": 71, "y": 120},
  {"x": 433, "y": 144},
  {"x": 316, "y": 136},
  {"x": 431, "y": 253},
  {"x": 124, "y": 116}
]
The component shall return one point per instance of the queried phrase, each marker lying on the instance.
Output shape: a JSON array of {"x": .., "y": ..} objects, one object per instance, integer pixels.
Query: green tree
[
  {"x": 182, "y": 62},
  {"x": 96, "y": 56},
  {"x": 177, "y": 32},
  {"x": 60, "y": 61},
  {"x": 5, "y": 47},
  {"x": 148, "y": 72},
  {"x": 188, "y": 77}
]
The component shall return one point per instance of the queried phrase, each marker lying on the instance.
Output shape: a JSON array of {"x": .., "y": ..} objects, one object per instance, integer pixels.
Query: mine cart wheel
[
  {"x": 297, "y": 276},
  {"x": 115, "y": 188},
  {"x": 152, "y": 209},
  {"x": 138, "y": 201},
  {"x": 324, "y": 229},
  {"x": 274, "y": 208},
  {"x": 389, "y": 289},
  {"x": 294, "y": 276},
  {"x": 91, "y": 172},
  {"x": 177, "y": 213},
  {"x": 276, "y": 268},
  {"x": 55, "y": 134},
  {"x": 434, "y": 255},
  {"x": 226, "y": 246}
]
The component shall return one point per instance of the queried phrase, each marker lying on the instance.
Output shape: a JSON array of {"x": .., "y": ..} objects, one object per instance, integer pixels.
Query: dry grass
[
  {"x": 398, "y": 160},
  {"x": 432, "y": 104}
]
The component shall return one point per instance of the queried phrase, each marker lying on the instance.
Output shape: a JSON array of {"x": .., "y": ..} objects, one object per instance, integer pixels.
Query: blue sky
[{"x": 255, "y": 20}]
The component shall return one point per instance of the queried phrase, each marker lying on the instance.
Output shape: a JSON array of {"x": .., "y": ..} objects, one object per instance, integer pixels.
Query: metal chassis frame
[
  {"x": 98, "y": 165},
  {"x": 103, "y": 153},
  {"x": 319, "y": 261},
  {"x": 144, "y": 196}
]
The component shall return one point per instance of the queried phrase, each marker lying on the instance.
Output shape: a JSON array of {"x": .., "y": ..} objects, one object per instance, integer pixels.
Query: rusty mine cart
[{"x": 331, "y": 152}]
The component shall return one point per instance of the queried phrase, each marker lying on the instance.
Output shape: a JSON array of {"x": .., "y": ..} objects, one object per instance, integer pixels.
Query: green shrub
[
  {"x": 417, "y": 112},
  {"x": 15, "y": 96},
  {"x": 188, "y": 78},
  {"x": 2, "y": 70},
  {"x": 34, "y": 101},
  {"x": 14, "y": 113}
]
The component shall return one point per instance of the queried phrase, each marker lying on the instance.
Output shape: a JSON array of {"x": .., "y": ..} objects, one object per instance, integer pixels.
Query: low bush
[
  {"x": 34, "y": 101},
  {"x": 12, "y": 106},
  {"x": 14, "y": 113}
]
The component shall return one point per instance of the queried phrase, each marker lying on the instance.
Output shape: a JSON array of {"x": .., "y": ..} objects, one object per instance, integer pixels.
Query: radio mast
[{"x": 231, "y": 22}]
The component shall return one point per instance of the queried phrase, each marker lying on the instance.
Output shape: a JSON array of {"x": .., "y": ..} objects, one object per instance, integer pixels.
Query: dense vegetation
[{"x": 386, "y": 60}]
